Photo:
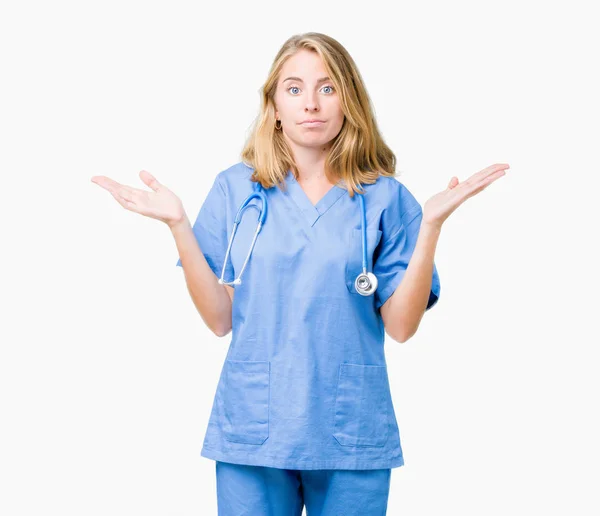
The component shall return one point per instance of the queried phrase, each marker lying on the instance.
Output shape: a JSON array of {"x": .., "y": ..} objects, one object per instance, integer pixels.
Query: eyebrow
[{"x": 322, "y": 79}]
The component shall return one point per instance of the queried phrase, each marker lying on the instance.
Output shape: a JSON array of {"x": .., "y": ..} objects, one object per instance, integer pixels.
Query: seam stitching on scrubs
[
  {"x": 417, "y": 210},
  {"x": 402, "y": 226},
  {"x": 218, "y": 181},
  {"x": 365, "y": 461}
]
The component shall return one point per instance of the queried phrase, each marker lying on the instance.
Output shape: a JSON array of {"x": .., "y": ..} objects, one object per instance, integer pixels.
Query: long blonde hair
[{"x": 358, "y": 154}]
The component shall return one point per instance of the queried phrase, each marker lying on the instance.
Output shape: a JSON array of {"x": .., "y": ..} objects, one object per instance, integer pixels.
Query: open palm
[
  {"x": 439, "y": 207},
  {"x": 160, "y": 203}
]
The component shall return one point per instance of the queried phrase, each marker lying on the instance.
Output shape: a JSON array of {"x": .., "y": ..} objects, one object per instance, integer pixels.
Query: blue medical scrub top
[{"x": 304, "y": 384}]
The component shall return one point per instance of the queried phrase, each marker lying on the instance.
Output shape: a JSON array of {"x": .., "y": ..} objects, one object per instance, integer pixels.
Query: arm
[
  {"x": 403, "y": 310},
  {"x": 212, "y": 300}
]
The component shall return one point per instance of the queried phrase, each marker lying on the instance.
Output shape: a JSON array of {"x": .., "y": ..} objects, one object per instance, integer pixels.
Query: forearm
[
  {"x": 406, "y": 306},
  {"x": 210, "y": 298}
]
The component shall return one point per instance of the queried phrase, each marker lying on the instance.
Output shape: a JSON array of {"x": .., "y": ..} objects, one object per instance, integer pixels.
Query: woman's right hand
[{"x": 161, "y": 203}]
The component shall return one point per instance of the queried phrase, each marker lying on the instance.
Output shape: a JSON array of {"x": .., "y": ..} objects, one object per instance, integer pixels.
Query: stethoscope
[{"x": 365, "y": 283}]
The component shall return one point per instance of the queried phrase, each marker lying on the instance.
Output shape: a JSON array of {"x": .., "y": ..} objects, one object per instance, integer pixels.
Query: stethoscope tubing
[{"x": 366, "y": 278}]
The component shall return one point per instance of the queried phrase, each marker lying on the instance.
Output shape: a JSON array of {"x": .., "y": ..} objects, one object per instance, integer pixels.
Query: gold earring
[{"x": 278, "y": 127}]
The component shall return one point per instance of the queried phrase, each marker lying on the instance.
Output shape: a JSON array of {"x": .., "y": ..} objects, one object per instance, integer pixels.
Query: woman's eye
[{"x": 296, "y": 88}]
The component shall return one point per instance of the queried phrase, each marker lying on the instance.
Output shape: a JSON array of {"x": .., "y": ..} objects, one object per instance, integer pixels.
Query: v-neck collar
[{"x": 312, "y": 212}]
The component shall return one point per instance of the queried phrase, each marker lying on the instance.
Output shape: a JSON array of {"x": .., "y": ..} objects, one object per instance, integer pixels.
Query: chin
[
  {"x": 312, "y": 140},
  {"x": 315, "y": 143}
]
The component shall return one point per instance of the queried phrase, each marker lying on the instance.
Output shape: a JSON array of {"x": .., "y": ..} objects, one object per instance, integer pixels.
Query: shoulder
[
  {"x": 234, "y": 175},
  {"x": 393, "y": 196}
]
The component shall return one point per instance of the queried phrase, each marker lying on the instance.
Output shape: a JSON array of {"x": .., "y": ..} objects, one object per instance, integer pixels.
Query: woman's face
[{"x": 302, "y": 95}]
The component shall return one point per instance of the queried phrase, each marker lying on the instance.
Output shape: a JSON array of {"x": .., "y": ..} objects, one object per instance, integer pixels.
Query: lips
[
  {"x": 314, "y": 120},
  {"x": 310, "y": 124}
]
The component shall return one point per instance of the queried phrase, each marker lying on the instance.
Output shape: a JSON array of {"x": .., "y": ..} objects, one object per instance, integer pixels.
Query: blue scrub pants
[{"x": 262, "y": 491}]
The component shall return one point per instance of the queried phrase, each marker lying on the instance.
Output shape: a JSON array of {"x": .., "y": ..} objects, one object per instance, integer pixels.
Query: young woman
[{"x": 338, "y": 253}]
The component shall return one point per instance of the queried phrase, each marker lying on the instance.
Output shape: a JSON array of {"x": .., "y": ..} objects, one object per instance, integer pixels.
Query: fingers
[
  {"x": 126, "y": 203},
  {"x": 475, "y": 178},
  {"x": 483, "y": 178},
  {"x": 113, "y": 187},
  {"x": 105, "y": 182},
  {"x": 150, "y": 180},
  {"x": 485, "y": 182},
  {"x": 470, "y": 185},
  {"x": 453, "y": 182},
  {"x": 126, "y": 196},
  {"x": 127, "y": 192}
]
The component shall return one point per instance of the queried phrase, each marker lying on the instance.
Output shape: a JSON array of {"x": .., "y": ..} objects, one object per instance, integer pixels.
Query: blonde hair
[{"x": 358, "y": 154}]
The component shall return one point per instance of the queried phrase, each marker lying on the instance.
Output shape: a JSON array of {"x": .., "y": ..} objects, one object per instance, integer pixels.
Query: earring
[{"x": 278, "y": 127}]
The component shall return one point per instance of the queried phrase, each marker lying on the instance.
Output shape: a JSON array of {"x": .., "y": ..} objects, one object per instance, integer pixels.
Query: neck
[{"x": 310, "y": 162}]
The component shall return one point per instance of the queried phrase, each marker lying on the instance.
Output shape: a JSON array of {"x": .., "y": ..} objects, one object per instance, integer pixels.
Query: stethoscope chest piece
[{"x": 365, "y": 283}]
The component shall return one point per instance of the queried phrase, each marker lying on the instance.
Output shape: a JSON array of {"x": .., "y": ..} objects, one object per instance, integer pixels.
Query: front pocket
[
  {"x": 246, "y": 392},
  {"x": 361, "y": 405},
  {"x": 354, "y": 255}
]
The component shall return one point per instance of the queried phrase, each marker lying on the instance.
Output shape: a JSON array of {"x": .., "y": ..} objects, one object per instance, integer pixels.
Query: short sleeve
[
  {"x": 394, "y": 253},
  {"x": 210, "y": 228}
]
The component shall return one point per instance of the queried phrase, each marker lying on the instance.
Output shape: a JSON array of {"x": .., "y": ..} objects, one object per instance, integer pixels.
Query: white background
[{"x": 107, "y": 373}]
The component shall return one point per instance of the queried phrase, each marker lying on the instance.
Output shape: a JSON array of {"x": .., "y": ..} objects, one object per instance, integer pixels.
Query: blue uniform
[{"x": 304, "y": 384}]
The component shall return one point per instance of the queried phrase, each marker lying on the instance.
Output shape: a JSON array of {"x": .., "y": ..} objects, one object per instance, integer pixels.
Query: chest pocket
[{"x": 354, "y": 255}]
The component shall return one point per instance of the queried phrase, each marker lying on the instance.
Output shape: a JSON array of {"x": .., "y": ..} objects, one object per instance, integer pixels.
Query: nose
[{"x": 311, "y": 102}]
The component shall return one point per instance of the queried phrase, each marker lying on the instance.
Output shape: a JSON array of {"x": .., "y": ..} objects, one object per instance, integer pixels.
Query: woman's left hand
[{"x": 440, "y": 206}]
